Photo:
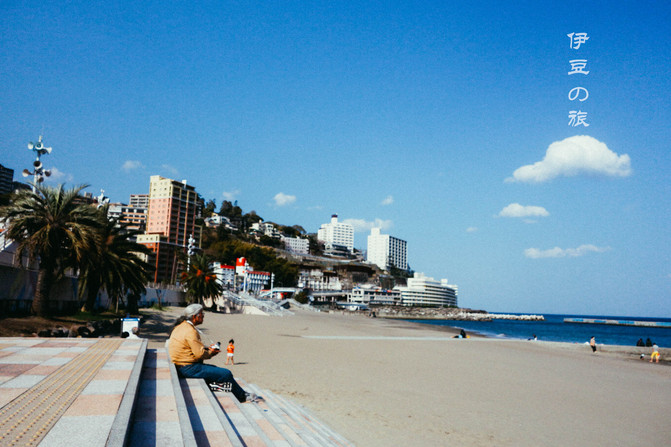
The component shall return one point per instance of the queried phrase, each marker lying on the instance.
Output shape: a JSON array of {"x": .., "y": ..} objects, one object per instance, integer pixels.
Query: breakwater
[
  {"x": 661, "y": 324},
  {"x": 429, "y": 313}
]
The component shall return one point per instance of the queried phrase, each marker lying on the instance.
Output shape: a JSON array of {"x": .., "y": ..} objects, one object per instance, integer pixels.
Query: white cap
[{"x": 193, "y": 309}]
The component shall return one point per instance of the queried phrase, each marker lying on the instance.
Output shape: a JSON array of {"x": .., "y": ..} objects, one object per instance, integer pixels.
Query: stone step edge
[
  {"x": 260, "y": 411},
  {"x": 226, "y": 423},
  {"x": 278, "y": 412},
  {"x": 188, "y": 436},
  {"x": 302, "y": 422},
  {"x": 120, "y": 430},
  {"x": 303, "y": 416}
]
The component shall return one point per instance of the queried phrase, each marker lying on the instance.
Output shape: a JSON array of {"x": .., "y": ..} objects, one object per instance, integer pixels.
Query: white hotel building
[
  {"x": 296, "y": 245},
  {"x": 426, "y": 291},
  {"x": 337, "y": 234},
  {"x": 386, "y": 251}
]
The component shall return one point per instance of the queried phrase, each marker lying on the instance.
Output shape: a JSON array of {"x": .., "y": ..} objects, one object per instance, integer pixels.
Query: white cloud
[
  {"x": 170, "y": 169},
  {"x": 130, "y": 165},
  {"x": 56, "y": 177},
  {"x": 517, "y": 210},
  {"x": 580, "y": 154},
  {"x": 231, "y": 195},
  {"x": 471, "y": 229},
  {"x": 388, "y": 200},
  {"x": 282, "y": 199},
  {"x": 361, "y": 225},
  {"x": 535, "y": 253}
]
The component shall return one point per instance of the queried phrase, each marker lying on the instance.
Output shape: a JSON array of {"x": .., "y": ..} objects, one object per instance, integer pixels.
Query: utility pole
[{"x": 38, "y": 172}]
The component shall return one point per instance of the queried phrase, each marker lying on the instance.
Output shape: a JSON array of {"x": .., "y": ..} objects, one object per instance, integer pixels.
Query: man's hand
[{"x": 214, "y": 350}]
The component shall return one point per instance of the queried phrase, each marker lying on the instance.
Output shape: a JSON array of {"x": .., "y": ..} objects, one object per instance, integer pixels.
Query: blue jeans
[{"x": 211, "y": 374}]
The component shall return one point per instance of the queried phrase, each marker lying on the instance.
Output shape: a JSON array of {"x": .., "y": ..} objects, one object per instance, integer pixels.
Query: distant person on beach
[
  {"x": 655, "y": 353},
  {"x": 648, "y": 342},
  {"x": 462, "y": 334},
  {"x": 230, "y": 350},
  {"x": 592, "y": 343},
  {"x": 640, "y": 342},
  {"x": 187, "y": 352}
]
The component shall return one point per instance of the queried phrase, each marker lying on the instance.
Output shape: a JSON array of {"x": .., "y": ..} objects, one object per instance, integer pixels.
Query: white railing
[{"x": 245, "y": 299}]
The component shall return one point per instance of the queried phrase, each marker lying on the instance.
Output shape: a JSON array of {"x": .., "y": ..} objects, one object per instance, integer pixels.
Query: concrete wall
[{"x": 17, "y": 289}]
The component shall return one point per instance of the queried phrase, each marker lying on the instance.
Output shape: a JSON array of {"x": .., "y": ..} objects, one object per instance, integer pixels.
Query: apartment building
[
  {"x": 132, "y": 217},
  {"x": 6, "y": 180},
  {"x": 337, "y": 234},
  {"x": 386, "y": 251},
  {"x": 171, "y": 221},
  {"x": 297, "y": 245},
  {"x": 139, "y": 201}
]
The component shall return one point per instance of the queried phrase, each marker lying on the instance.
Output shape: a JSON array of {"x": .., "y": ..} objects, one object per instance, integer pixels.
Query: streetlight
[
  {"x": 38, "y": 172},
  {"x": 191, "y": 247}
]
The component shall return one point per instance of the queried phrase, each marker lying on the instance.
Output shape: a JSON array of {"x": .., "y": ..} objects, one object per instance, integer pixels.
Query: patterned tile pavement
[{"x": 78, "y": 383}]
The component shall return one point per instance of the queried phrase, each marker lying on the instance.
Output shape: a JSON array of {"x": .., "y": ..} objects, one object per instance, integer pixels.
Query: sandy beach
[{"x": 392, "y": 383}]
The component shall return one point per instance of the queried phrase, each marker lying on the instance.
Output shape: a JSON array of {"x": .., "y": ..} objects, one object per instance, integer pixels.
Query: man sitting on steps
[{"x": 187, "y": 352}]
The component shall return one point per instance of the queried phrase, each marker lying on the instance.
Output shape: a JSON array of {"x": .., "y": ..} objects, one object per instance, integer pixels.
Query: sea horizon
[{"x": 554, "y": 329}]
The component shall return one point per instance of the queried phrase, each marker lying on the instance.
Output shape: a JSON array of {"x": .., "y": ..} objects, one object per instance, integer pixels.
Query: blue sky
[{"x": 445, "y": 123}]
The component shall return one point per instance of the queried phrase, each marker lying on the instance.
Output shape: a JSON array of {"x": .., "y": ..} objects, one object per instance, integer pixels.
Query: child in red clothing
[{"x": 229, "y": 352}]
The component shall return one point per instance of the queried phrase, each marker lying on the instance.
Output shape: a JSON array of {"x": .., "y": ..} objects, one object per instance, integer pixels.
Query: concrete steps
[
  {"x": 184, "y": 412},
  {"x": 156, "y": 418}
]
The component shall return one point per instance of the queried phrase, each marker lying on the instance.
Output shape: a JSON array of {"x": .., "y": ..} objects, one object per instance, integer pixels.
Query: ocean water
[{"x": 554, "y": 329}]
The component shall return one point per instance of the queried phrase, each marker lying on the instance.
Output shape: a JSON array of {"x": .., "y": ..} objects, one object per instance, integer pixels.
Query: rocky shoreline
[{"x": 440, "y": 313}]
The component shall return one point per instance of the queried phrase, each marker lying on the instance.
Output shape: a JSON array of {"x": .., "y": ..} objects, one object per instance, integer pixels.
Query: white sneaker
[{"x": 221, "y": 387}]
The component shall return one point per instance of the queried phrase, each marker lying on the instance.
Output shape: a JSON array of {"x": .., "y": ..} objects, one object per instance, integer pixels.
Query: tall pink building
[{"x": 171, "y": 221}]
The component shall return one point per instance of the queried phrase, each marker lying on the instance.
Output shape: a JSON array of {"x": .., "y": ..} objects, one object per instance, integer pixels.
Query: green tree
[
  {"x": 316, "y": 246},
  {"x": 261, "y": 258},
  {"x": 200, "y": 280},
  {"x": 116, "y": 264},
  {"x": 210, "y": 207},
  {"x": 54, "y": 229}
]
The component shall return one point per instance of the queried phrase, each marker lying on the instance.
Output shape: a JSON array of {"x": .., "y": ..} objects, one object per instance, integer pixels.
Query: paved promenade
[
  {"x": 56, "y": 392},
  {"x": 114, "y": 392}
]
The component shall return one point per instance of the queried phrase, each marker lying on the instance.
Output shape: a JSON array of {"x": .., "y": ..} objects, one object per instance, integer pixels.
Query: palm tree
[
  {"x": 199, "y": 279},
  {"x": 52, "y": 228},
  {"x": 117, "y": 265}
]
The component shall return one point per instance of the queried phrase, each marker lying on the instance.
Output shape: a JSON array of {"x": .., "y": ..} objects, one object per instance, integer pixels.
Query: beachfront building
[
  {"x": 386, "y": 251},
  {"x": 171, "y": 223},
  {"x": 423, "y": 290},
  {"x": 369, "y": 294},
  {"x": 250, "y": 280},
  {"x": 225, "y": 274},
  {"x": 317, "y": 279},
  {"x": 337, "y": 235}
]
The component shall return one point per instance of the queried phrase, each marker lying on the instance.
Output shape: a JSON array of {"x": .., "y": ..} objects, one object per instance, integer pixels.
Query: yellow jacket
[{"x": 185, "y": 346}]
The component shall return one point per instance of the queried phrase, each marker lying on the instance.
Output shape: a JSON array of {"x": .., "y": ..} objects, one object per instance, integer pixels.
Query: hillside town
[{"x": 173, "y": 222}]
